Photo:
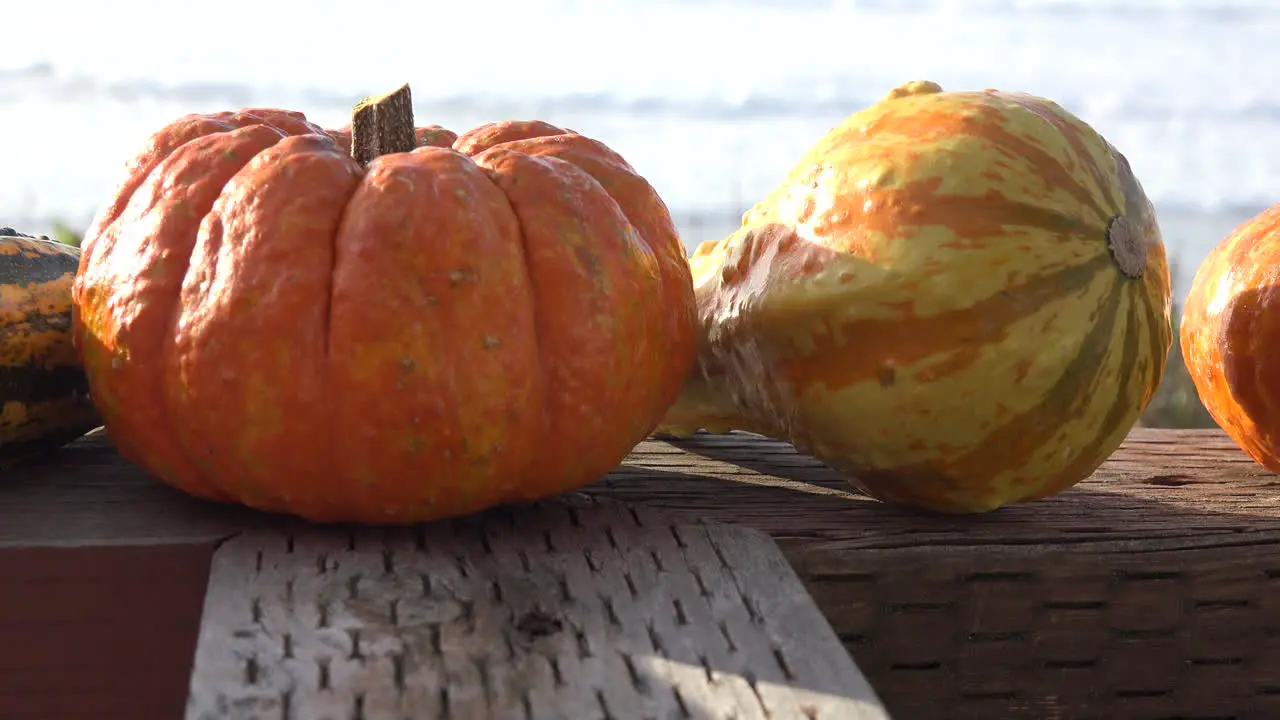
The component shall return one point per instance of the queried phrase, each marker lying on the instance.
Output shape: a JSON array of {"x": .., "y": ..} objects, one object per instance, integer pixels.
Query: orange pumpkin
[
  {"x": 1230, "y": 329},
  {"x": 464, "y": 322}
]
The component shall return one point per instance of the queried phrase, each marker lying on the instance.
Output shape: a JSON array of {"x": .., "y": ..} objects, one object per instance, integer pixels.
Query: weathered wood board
[
  {"x": 558, "y": 610},
  {"x": 1151, "y": 590}
]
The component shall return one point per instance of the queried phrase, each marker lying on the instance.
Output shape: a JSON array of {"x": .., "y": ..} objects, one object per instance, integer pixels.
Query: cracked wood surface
[{"x": 565, "y": 609}]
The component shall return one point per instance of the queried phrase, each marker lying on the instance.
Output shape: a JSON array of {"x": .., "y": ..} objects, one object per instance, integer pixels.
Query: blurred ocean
[{"x": 712, "y": 100}]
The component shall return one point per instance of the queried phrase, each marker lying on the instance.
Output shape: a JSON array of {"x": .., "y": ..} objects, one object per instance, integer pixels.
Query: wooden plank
[
  {"x": 1160, "y": 486},
  {"x": 1153, "y": 584},
  {"x": 87, "y": 495},
  {"x": 1147, "y": 591},
  {"x": 565, "y": 609}
]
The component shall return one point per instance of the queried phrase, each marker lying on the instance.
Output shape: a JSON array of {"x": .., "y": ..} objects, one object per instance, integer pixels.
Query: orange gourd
[
  {"x": 455, "y": 323},
  {"x": 1230, "y": 332}
]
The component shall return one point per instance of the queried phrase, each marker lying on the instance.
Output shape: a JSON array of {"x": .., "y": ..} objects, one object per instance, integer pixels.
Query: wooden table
[{"x": 1152, "y": 590}]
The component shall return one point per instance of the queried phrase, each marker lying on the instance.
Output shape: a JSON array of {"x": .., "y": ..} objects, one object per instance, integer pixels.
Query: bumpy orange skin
[
  {"x": 1230, "y": 333},
  {"x": 490, "y": 318}
]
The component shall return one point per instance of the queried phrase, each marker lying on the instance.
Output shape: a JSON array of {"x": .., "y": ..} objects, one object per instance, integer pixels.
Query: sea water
[{"x": 711, "y": 100}]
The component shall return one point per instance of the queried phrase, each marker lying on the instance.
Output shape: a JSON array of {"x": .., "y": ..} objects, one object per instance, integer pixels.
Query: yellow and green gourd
[{"x": 961, "y": 299}]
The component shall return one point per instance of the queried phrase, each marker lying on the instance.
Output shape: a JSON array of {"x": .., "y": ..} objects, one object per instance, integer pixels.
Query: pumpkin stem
[{"x": 382, "y": 125}]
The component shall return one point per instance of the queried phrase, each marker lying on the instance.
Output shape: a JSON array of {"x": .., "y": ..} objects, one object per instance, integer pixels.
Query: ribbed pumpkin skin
[
  {"x": 928, "y": 302},
  {"x": 1231, "y": 332},
  {"x": 264, "y": 321},
  {"x": 44, "y": 397}
]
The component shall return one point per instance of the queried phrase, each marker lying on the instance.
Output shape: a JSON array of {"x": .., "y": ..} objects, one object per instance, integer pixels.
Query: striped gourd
[
  {"x": 44, "y": 400},
  {"x": 959, "y": 298}
]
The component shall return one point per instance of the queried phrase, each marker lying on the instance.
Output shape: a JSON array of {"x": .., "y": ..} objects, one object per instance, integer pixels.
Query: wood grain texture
[
  {"x": 1154, "y": 586},
  {"x": 566, "y": 609},
  {"x": 1177, "y": 488},
  {"x": 1149, "y": 591},
  {"x": 85, "y": 494}
]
